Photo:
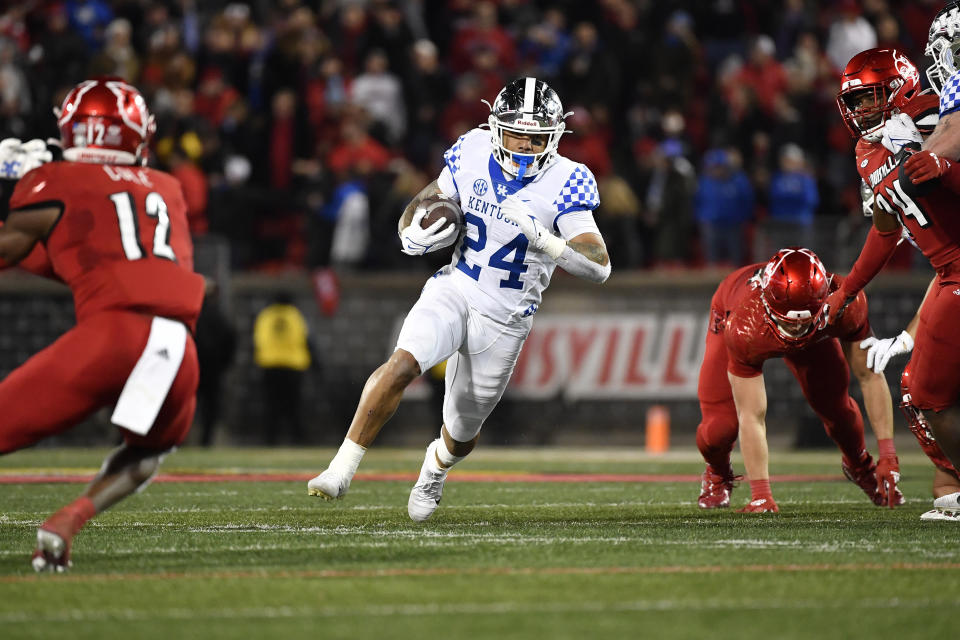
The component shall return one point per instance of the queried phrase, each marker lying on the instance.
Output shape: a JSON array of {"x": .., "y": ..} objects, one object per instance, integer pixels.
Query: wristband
[
  {"x": 760, "y": 488},
  {"x": 886, "y": 448},
  {"x": 906, "y": 339},
  {"x": 553, "y": 246}
]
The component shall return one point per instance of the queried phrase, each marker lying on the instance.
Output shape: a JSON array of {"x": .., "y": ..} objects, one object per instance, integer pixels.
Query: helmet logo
[
  {"x": 118, "y": 89},
  {"x": 905, "y": 68}
]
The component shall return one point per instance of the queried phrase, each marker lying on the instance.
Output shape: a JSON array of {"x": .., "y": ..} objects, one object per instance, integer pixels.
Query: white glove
[
  {"x": 879, "y": 352},
  {"x": 867, "y": 198},
  {"x": 520, "y": 213},
  {"x": 898, "y": 132},
  {"x": 17, "y": 158},
  {"x": 418, "y": 241}
]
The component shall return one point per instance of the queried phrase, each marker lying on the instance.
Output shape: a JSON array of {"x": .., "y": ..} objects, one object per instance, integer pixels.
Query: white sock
[
  {"x": 348, "y": 458},
  {"x": 444, "y": 457}
]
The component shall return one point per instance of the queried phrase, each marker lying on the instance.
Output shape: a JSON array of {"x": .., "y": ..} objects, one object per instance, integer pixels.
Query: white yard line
[{"x": 475, "y": 608}]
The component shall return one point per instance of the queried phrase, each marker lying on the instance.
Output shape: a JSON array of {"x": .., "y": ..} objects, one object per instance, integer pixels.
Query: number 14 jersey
[
  {"x": 502, "y": 277},
  {"x": 121, "y": 241},
  {"x": 928, "y": 210}
]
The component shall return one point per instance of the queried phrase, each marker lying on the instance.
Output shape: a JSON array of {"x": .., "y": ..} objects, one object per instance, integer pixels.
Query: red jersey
[
  {"x": 121, "y": 241},
  {"x": 927, "y": 211},
  {"x": 737, "y": 310}
]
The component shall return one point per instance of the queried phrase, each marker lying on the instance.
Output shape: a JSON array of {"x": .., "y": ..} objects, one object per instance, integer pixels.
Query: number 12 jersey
[{"x": 122, "y": 240}]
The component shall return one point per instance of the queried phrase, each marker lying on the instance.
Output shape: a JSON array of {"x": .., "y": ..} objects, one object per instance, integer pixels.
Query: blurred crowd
[{"x": 301, "y": 129}]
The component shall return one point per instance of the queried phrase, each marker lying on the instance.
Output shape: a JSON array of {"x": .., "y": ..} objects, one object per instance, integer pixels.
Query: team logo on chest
[
  {"x": 480, "y": 186},
  {"x": 502, "y": 190}
]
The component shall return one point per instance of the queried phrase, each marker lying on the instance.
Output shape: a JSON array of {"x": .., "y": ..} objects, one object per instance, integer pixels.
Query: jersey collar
[{"x": 503, "y": 185}]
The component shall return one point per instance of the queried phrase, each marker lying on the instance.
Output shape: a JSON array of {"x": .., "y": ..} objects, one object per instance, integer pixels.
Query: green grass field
[{"x": 501, "y": 558}]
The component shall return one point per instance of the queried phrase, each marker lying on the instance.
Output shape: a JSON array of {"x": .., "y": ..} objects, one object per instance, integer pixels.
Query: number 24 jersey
[
  {"x": 502, "y": 276},
  {"x": 928, "y": 211}
]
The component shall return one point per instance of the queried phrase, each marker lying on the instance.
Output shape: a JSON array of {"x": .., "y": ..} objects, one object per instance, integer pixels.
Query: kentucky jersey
[
  {"x": 502, "y": 276},
  {"x": 950, "y": 96}
]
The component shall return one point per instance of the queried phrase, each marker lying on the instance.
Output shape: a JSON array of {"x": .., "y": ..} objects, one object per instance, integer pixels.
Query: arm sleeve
[
  {"x": 573, "y": 223},
  {"x": 878, "y": 248},
  {"x": 579, "y": 265}
]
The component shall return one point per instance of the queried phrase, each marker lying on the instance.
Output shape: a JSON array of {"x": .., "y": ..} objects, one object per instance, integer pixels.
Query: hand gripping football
[{"x": 439, "y": 206}]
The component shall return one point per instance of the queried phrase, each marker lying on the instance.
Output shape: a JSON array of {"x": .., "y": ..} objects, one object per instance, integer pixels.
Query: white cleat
[
  {"x": 52, "y": 553},
  {"x": 937, "y": 515},
  {"x": 948, "y": 505},
  {"x": 426, "y": 494},
  {"x": 329, "y": 485}
]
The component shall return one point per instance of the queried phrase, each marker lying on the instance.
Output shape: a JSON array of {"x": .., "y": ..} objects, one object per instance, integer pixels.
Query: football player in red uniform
[
  {"x": 775, "y": 310},
  {"x": 914, "y": 194},
  {"x": 116, "y": 233}
]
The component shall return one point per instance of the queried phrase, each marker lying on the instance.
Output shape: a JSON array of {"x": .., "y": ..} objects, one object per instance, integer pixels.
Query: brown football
[{"x": 438, "y": 207}]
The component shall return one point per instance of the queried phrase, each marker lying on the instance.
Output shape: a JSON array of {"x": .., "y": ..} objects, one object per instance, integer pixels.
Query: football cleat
[
  {"x": 948, "y": 504},
  {"x": 864, "y": 476},
  {"x": 715, "y": 488},
  {"x": 329, "y": 485},
  {"x": 760, "y": 505},
  {"x": 425, "y": 495},
  {"x": 52, "y": 553},
  {"x": 937, "y": 515}
]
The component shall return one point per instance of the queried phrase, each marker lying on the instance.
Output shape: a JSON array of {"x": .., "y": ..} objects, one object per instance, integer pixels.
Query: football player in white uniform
[
  {"x": 526, "y": 210},
  {"x": 943, "y": 47}
]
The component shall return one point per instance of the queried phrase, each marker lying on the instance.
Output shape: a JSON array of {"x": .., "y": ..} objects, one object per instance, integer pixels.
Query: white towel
[{"x": 151, "y": 378}]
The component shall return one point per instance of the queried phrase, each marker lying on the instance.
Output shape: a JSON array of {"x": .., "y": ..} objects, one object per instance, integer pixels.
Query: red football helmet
[
  {"x": 874, "y": 83},
  {"x": 106, "y": 121},
  {"x": 794, "y": 286}
]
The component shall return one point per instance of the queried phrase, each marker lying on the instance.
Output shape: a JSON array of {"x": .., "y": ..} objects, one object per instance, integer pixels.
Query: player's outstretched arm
[
  {"x": 880, "y": 245},
  {"x": 584, "y": 256},
  {"x": 879, "y": 405}
]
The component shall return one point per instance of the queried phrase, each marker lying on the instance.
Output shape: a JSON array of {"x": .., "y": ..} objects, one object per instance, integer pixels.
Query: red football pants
[
  {"x": 935, "y": 362},
  {"x": 824, "y": 379},
  {"x": 85, "y": 370}
]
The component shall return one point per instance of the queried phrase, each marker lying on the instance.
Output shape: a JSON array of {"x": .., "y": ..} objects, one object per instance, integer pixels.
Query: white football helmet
[
  {"x": 943, "y": 45},
  {"x": 528, "y": 106}
]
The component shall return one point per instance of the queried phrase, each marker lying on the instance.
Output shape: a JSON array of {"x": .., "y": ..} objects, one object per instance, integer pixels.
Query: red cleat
[
  {"x": 715, "y": 488},
  {"x": 761, "y": 505},
  {"x": 864, "y": 475}
]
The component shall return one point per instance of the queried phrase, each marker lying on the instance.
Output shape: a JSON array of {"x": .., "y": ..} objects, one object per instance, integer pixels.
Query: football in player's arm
[{"x": 526, "y": 210}]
